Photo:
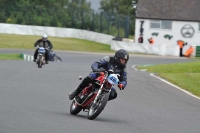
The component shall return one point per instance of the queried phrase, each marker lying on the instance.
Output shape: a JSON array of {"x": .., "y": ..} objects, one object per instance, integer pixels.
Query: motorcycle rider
[
  {"x": 116, "y": 63},
  {"x": 46, "y": 44}
]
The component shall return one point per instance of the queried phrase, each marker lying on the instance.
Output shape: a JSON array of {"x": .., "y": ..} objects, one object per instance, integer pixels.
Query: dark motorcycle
[
  {"x": 94, "y": 98},
  {"x": 41, "y": 57},
  {"x": 53, "y": 56}
]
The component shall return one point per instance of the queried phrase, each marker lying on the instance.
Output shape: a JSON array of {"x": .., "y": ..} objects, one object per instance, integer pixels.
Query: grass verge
[
  {"x": 10, "y": 57},
  {"x": 185, "y": 75},
  {"x": 68, "y": 44}
]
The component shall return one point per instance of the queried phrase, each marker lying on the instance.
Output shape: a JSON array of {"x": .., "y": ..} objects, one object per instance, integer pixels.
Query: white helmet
[{"x": 44, "y": 37}]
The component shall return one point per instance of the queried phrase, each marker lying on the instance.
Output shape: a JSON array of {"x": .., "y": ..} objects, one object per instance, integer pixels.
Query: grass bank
[
  {"x": 68, "y": 44},
  {"x": 185, "y": 75},
  {"x": 10, "y": 57}
]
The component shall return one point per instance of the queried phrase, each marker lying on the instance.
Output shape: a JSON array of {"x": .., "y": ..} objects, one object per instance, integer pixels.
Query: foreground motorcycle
[
  {"x": 94, "y": 98},
  {"x": 53, "y": 56},
  {"x": 41, "y": 57}
]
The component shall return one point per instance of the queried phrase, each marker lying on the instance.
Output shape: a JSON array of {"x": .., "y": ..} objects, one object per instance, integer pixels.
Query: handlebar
[
  {"x": 108, "y": 72},
  {"x": 44, "y": 48}
]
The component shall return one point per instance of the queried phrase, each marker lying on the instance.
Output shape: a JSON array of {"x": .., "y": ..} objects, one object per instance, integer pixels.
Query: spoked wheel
[
  {"x": 75, "y": 109},
  {"x": 98, "y": 107}
]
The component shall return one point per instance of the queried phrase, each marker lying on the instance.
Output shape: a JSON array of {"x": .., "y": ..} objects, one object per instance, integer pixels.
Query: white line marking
[
  {"x": 134, "y": 67},
  {"x": 175, "y": 86},
  {"x": 187, "y": 92}
]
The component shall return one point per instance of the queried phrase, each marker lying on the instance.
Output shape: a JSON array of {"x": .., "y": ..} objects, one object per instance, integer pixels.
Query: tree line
[{"x": 112, "y": 18}]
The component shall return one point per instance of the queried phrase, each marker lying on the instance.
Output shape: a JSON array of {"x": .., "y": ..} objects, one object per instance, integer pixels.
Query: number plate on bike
[
  {"x": 113, "y": 79},
  {"x": 41, "y": 50}
]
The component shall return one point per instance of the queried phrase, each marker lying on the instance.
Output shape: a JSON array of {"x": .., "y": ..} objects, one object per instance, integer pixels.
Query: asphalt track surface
[{"x": 34, "y": 100}]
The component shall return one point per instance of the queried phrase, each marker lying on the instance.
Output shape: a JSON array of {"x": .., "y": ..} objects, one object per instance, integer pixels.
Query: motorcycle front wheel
[
  {"x": 97, "y": 108},
  {"x": 40, "y": 62}
]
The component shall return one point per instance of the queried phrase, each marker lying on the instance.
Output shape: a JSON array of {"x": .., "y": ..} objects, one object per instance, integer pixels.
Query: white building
[{"x": 178, "y": 19}]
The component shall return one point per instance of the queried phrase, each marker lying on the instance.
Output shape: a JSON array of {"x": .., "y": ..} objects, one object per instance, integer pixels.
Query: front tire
[
  {"x": 95, "y": 110},
  {"x": 40, "y": 62},
  {"x": 75, "y": 109}
]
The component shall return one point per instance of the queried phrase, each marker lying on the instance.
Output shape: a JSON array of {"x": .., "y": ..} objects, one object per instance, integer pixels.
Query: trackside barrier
[{"x": 26, "y": 57}]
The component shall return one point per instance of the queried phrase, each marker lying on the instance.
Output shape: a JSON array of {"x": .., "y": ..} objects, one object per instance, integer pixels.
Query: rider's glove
[{"x": 121, "y": 86}]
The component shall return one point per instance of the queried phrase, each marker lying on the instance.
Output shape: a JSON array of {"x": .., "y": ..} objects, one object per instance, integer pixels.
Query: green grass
[
  {"x": 68, "y": 44},
  {"x": 10, "y": 57},
  {"x": 185, "y": 75}
]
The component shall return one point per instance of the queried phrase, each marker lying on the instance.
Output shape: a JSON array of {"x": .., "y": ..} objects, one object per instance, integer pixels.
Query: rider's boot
[
  {"x": 113, "y": 94},
  {"x": 46, "y": 57},
  {"x": 75, "y": 93},
  {"x": 35, "y": 55},
  {"x": 82, "y": 85}
]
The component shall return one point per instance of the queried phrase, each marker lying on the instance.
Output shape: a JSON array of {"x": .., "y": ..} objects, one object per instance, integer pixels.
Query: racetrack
[{"x": 34, "y": 100}]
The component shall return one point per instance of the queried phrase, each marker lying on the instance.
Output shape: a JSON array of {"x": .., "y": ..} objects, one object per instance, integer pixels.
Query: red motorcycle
[{"x": 94, "y": 98}]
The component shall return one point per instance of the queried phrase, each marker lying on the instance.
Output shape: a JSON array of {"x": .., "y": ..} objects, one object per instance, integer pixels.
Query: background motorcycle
[{"x": 94, "y": 98}]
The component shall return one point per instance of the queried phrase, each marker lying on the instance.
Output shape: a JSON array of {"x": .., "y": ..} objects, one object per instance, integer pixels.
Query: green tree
[
  {"x": 123, "y": 7},
  {"x": 64, "y": 13},
  {"x": 80, "y": 13}
]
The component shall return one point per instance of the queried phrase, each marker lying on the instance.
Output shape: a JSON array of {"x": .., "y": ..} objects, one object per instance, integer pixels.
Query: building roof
[{"x": 180, "y": 10}]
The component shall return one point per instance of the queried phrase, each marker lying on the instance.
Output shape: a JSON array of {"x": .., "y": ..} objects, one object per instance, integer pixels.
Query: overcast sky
[{"x": 95, "y": 4}]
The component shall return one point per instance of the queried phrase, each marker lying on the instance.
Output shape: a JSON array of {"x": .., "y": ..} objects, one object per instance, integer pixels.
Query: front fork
[{"x": 99, "y": 92}]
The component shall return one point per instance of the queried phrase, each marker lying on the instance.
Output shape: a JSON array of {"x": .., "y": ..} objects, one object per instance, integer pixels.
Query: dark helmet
[{"x": 123, "y": 55}]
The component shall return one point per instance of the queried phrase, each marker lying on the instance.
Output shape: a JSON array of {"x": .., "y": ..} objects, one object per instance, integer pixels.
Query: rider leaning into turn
[
  {"x": 46, "y": 44},
  {"x": 116, "y": 63}
]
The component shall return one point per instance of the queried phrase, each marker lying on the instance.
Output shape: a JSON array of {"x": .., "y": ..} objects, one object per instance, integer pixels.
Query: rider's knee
[{"x": 113, "y": 94}]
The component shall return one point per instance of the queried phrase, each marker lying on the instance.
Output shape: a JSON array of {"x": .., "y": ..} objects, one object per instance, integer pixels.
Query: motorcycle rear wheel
[{"x": 97, "y": 108}]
